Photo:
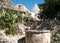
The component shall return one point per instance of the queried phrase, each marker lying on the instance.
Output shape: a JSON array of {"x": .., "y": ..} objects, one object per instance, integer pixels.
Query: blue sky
[{"x": 27, "y": 3}]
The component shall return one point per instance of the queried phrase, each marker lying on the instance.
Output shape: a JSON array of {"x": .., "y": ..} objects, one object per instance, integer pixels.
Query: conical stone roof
[
  {"x": 35, "y": 9},
  {"x": 22, "y": 7}
]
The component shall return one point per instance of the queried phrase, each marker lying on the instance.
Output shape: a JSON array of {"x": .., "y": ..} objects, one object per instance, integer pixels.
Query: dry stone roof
[
  {"x": 35, "y": 9},
  {"x": 7, "y": 4}
]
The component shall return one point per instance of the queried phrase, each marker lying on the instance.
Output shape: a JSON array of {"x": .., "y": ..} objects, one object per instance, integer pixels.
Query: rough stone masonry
[{"x": 34, "y": 36}]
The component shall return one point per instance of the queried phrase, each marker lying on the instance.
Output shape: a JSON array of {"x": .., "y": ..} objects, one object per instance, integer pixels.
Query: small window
[{"x": 21, "y": 40}]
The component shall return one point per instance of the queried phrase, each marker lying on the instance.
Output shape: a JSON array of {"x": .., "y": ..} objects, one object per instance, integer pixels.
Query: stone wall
[{"x": 34, "y": 36}]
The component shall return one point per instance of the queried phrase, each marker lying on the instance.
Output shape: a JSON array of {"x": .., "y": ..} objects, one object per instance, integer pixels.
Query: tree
[{"x": 50, "y": 9}]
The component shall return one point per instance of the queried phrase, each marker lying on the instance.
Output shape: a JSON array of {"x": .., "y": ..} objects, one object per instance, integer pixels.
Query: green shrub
[
  {"x": 0, "y": 41},
  {"x": 56, "y": 38},
  {"x": 8, "y": 19}
]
